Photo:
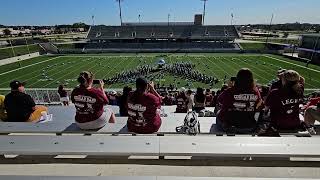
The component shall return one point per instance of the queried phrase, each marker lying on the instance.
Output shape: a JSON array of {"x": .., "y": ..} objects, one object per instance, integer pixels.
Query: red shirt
[
  {"x": 238, "y": 108},
  {"x": 143, "y": 111},
  {"x": 313, "y": 102},
  {"x": 284, "y": 109},
  {"x": 89, "y": 103}
]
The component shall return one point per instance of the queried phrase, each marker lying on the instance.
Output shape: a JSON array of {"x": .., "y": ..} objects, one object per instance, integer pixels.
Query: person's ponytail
[
  {"x": 84, "y": 78},
  {"x": 81, "y": 80}
]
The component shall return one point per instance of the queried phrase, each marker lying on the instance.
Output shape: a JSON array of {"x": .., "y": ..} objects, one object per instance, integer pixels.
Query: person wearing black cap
[
  {"x": 144, "y": 108},
  {"x": 20, "y": 106}
]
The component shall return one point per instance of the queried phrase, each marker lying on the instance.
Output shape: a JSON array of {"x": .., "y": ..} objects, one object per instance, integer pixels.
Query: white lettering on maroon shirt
[
  {"x": 87, "y": 99},
  {"x": 246, "y": 97}
]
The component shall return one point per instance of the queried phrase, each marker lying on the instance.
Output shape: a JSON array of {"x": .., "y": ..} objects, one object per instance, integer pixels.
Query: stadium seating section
[{"x": 163, "y": 32}]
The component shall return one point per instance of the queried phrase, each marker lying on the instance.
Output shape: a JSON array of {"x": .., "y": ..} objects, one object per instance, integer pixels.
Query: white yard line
[
  {"x": 292, "y": 63},
  {"x": 29, "y": 66}
]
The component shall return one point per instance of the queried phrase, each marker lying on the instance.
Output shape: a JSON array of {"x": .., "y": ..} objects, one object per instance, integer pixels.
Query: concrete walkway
[{"x": 18, "y": 58}]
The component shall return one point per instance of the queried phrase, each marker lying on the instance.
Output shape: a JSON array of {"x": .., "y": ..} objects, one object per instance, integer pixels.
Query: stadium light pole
[
  {"x": 271, "y": 20},
  {"x": 92, "y": 17},
  {"x": 204, "y": 11},
  {"x": 120, "y": 10}
]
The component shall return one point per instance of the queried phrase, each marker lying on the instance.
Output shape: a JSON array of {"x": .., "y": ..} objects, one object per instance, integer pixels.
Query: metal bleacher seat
[{"x": 136, "y": 178}]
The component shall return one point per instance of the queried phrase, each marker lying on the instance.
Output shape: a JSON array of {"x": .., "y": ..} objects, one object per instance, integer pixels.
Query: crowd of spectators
[{"x": 241, "y": 106}]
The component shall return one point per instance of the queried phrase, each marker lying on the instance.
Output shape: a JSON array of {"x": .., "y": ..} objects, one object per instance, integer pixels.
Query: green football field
[{"x": 49, "y": 72}]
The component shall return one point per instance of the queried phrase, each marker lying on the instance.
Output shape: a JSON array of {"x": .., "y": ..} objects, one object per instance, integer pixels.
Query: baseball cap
[{"x": 16, "y": 84}]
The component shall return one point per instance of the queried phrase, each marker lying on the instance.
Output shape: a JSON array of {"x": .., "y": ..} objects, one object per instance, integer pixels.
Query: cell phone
[{"x": 96, "y": 81}]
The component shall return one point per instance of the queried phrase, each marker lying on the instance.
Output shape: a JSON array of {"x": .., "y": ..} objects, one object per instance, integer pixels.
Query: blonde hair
[{"x": 290, "y": 81}]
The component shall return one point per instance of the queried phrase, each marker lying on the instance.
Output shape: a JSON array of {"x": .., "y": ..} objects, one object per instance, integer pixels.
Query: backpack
[{"x": 191, "y": 124}]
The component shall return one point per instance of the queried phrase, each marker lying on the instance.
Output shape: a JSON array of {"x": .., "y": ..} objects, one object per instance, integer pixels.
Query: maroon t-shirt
[
  {"x": 89, "y": 103},
  {"x": 143, "y": 111},
  {"x": 284, "y": 109},
  {"x": 182, "y": 104},
  {"x": 238, "y": 108}
]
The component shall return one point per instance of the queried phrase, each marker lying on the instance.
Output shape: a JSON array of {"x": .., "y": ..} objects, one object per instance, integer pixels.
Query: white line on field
[
  {"x": 29, "y": 66},
  {"x": 292, "y": 63}
]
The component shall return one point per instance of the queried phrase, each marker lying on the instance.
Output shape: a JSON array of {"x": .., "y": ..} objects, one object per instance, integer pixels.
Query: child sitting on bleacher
[
  {"x": 144, "y": 106},
  {"x": 89, "y": 104},
  {"x": 239, "y": 105}
]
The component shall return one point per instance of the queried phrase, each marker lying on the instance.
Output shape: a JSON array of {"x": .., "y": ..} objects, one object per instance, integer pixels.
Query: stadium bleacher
[{"x": 162, "y": 32}]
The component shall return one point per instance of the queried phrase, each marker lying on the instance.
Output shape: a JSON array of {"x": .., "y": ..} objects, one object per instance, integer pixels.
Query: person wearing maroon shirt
[
  {"x": 284, "y": 103},
  {"x": 199, "y": 100},
  {"x": 63, "y": 95},
  {"x": 209, "y": 98},
  {"x": 239, "y": 104},
  {"x": 89, "y": 104},
  {"x": 182, "y": 102},
  {"x": 144, "y": 108}
]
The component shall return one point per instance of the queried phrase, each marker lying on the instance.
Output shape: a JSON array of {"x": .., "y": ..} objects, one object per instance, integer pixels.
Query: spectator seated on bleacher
[
  {"x": 89, "y": 103},
  {"x": 63, "y": 94},
  {"x": 312, "y": 113},
  {"x": 284, "y": 103},
  {"x": 182, "y": 102},
  {"x": 168, "y": 99},
  {"x": 209, "y": 98},
  {"x": 239, "y": 104},
  {"x": 21, "y": 107},
  {"x": 278, "y": 83},
  {"x": 3, "y": 113},
  {"x": 144, "y": 106},
  {"x": 122, "y": 101},
  {"x": 190, "y": 99},
  {"x": 199, "y": 100}
]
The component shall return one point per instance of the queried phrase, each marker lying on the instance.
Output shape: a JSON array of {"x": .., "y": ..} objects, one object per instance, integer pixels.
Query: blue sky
[{"x": 51, "y": 12}]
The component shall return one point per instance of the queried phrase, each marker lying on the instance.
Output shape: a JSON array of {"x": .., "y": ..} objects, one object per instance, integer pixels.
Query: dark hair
[
  {"x": 60, "y": 87},
  {"x": 200, "y": 97},
  {"x": 126, "y": 91},
  {"x": 141, "y": 85},
  {"x": 207, "y": 90},
  {"x": 244, "y": 81},
  {"x": 85, "y": 77}
]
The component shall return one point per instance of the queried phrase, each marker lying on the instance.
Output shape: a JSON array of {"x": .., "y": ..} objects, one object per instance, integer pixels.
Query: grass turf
[{"x": 65, "y": 69}]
